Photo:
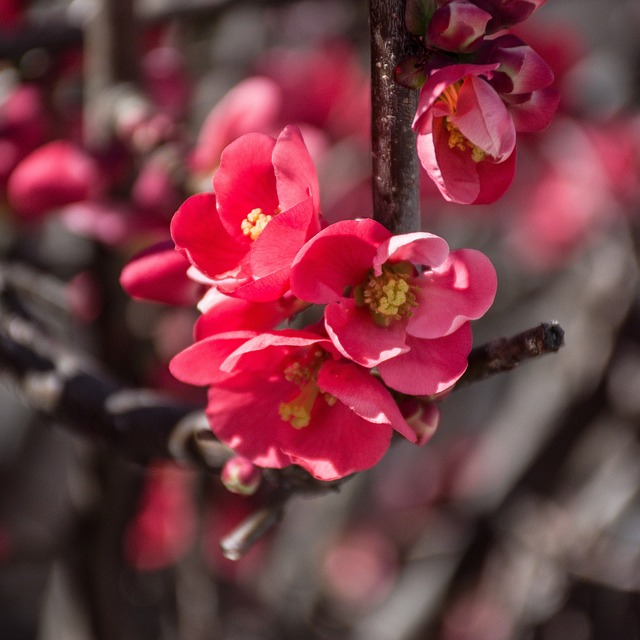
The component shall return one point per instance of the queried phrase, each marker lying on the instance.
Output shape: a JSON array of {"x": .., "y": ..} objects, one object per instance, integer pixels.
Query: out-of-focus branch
[
  {"x": 396, "y": 174},
  {"x": 504, "y": 354}
]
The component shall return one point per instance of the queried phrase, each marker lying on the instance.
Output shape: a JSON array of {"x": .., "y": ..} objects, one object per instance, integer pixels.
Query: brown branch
[
  {"x": 504, "y": 354},
  {"x": 396, "y": 172}
]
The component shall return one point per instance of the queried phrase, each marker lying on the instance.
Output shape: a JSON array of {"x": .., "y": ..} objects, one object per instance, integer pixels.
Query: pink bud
[
  {"x": 458, "y": 26},
  {"x": 423, "y": 417},
  {"x": 241, "y": 476},
  {"x": 56, "y": 174}
]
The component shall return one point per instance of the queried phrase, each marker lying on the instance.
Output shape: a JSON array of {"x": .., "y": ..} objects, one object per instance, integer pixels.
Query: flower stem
[{"x": 396, "y": 172}]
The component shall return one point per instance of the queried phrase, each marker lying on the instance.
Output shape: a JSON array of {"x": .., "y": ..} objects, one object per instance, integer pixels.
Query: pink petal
[
  {"x": 266, "y": 289},
  {"x": 266, "y": 348},
  {"x": 200, "y": 363},
  {"x": 457, "y": 176},
  {"x": 337, "y": 443},
  {"x": 244, "y": 414},
  {"x": 438, "y": 81},
  {"x": 483, "y": 118},
  {"x": 419, "y": 248},
  {"x": 159, "y": 273},
  {"x": 359, "y": 390},
  {"x": 355, "y": 334},
  {"x": 535, "y": 113},
  {"x": 430, "y": 366},
  {"x": 337, "y": 257},
  {"x": 461, "y": 289},
  {"x": 197, "y": 231},
  {"x": 296, "y": 176},
  {"x": 277, "y": 245},
  {"x": 229, "y": 314},
  {"x": 245, "y": 180}
]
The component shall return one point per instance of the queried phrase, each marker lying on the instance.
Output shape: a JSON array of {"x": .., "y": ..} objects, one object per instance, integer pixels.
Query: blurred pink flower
[{"x": 55, "y": 174}]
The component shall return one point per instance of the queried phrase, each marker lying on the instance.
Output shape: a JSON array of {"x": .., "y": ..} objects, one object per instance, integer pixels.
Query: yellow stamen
[
  {"x": 456, "y": 138},
  {"x": 389, "y": 296},
  {"x": 298, "y": 410},
  {"x": 254, "y": 223},
  {"x": 303, "y": 372}
]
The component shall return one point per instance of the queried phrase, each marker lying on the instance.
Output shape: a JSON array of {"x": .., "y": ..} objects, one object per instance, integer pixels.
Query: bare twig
[{"x": 504, "y": 354}]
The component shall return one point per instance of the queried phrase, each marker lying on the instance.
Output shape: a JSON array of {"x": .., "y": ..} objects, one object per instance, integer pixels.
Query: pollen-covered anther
[
  {"x": 303, "y": 372},
  {"x": 298, "y": 410},
  {"x": 390, "y": 296},
  {"x": 254, "y": 223},
  {"x": 460, "y": 141}
]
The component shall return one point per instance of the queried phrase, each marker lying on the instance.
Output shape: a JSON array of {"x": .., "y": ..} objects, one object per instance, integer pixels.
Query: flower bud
[
  {"x": 457, "y": 26},
  {"x": 422, "y": 416},
  {"x": 241, "y": 476}
]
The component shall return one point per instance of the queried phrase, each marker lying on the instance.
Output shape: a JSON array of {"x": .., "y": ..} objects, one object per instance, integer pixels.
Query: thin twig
[{"x": 504, "y": 354}]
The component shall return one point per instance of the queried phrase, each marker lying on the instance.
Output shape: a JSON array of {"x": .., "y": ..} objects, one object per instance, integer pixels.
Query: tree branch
[
  {"x": 396, "y": 172},
  {"x": 504, "y": 354}
]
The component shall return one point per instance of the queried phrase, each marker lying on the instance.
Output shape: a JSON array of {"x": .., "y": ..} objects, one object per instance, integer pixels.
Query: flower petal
[
  {"x": 249, "y": 422},
  {"x": 245, "y": 180},
  {"x": 159, "y": 273},
  {"x": 296, "y": 177},
  {"x": 337, "y": 257},
  {"x": 200, "y": 363},
  {"x": 430, "y": 366},
  {"x": 337, "y": 443},
  {"x": 483, "y": 118},
  {"x": 420, "y": 248},
  {"x": 359, "y": 390},
  {"x": 198, "y": 233},
  {"x": 355, "y": 334},
  {"x": 461, "y": 289}
]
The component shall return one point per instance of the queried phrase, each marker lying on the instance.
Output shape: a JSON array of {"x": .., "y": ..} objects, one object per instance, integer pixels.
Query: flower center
[
  {"x": 303, "y": 372},
  {"x": 460, "y": 141},
  {"x": 457, "y": 139},
  {"x": 389, "y": 296},
  {"x": 255, "y": 222}
]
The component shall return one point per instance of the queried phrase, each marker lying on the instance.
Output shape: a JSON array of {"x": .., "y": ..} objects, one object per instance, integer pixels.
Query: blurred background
[{"x": 519, "y": 520}]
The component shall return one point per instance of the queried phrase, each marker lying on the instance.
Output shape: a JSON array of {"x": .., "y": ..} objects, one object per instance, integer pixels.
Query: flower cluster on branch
[{"x": 311, "y": 334}]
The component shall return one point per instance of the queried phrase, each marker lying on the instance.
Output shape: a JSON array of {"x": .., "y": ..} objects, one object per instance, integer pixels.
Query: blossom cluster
[
  {"x": 312, "y": 335},
  {"x": 480, "y": 85}
]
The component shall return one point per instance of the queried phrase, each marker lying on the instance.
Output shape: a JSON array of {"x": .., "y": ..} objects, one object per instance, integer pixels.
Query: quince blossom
[
  {"x": 265, "y": 206},
  {"x": 399, "y": 303},
  {"x": 288, "y": 397},
  {"x": 225, "y": 235},
  {"x": 468, "y": 115}
]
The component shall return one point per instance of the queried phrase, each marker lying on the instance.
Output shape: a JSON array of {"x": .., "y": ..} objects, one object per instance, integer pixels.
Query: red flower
[
  {"x": 287, "y": 397},
  {"x": 399, "y": 303},
  {"x": 266, "y": 205}
]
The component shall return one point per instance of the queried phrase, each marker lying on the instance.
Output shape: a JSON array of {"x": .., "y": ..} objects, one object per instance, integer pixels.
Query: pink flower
[
  {"x": 466, "y": 137},
  {"x": 265, "y": 207},
  {"x": 252, "y": 105},
  {"x": 282, "y": 398},
  {"x": 399, "y": 303},
  {"x": 468, "y": 115}
]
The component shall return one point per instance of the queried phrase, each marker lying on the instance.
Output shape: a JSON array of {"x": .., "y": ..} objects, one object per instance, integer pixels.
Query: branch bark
[{"x": 396, "y": 172}]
